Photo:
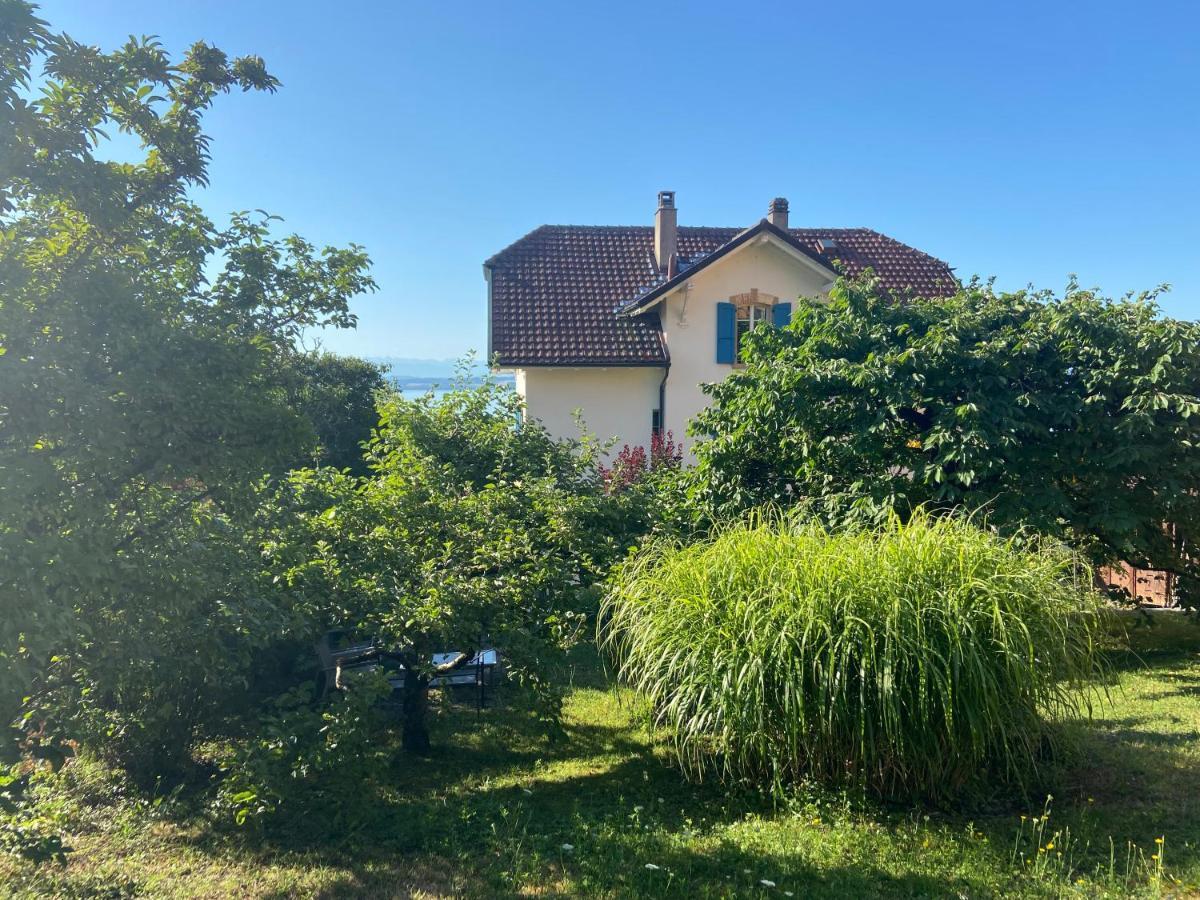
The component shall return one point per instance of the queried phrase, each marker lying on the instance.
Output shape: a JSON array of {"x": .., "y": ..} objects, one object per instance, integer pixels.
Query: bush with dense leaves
[
  {"x": 1077, "y": 416},
  {"x": 309, "y": 757},
  {"x": 166, "y": 658},
  {"x": 25, "y": 830},
  {"x": 337, "y": 395},
  {"x": 911, "y": 659}
]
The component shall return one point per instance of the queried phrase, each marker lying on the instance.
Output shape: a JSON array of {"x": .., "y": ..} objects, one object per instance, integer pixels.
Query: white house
[{"x": 625, "y": 323}]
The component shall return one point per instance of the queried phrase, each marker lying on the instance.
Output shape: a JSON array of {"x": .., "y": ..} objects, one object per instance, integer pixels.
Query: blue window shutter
[
  {"x": 726, "y": 314},
  {"x": 781, "y": 314}
]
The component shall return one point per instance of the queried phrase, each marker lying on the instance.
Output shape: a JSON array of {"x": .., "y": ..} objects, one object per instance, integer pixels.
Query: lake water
[{"x": 413, "y": 393}]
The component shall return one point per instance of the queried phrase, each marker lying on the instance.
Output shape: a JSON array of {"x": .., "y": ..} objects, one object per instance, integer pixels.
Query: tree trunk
[{"x": 415, "y": 731}]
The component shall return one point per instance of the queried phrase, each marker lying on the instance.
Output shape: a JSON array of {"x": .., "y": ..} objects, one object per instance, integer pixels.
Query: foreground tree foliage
[
  {"x": 163, "y": 578},
  {"x": 445, "y": 551},
  {"x": 441, "y": 550},
  {"x": 142, "y": 352},
  {"x": 469, "y": 533},
  {"x": 1075, "y": 416}
]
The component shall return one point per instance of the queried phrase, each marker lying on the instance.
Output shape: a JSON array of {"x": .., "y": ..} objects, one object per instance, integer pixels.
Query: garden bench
[{"x": 457, "y": 670}]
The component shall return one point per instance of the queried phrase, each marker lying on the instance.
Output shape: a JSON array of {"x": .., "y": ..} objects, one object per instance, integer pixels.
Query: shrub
[
  {"x": 166, "y": 657},
  {"x": 909, "y": 660},
  {"x": 1075, "y": 416},
  {"x": 311, "y": 759},
  {"x": 337, "y": 395},
  {"x": 26, "y": 831},
  {"x": 632, "y": 464}
]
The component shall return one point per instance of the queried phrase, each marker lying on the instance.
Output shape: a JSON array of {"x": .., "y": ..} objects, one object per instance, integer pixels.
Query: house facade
[{"x": 622, "y": 325}]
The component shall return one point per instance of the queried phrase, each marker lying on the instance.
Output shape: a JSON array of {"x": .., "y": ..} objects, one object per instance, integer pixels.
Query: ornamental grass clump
[{"x": 913, "y": 660}]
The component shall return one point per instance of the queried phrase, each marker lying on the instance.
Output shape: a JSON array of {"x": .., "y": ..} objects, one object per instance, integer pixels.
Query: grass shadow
[
  {"x": 495, "y": 810},
  {"x": 618, "y": 830}
]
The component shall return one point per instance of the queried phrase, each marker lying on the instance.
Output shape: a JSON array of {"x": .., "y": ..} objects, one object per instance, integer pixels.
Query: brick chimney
[
  {"x": 777, "y": 213},
  {"x": 666, "y": 234}
]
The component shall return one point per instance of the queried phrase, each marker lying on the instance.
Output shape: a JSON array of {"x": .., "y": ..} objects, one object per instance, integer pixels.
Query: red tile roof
[{"x": 556, "y": 293}]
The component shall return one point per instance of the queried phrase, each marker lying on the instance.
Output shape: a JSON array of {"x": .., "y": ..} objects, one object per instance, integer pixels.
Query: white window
[{"x": 749, "y": 315}]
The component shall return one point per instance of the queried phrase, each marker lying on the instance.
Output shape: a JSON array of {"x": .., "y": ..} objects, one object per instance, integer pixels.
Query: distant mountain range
[{"x": 411, "y": 374}]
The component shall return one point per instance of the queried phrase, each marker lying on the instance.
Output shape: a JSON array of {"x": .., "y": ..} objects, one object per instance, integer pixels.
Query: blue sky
[{"x": 1024, "y": 141}]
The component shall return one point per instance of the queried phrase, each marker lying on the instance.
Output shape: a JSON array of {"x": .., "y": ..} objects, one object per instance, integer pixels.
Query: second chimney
[
  {"x": 666, "y": 232},
  {"x": 777, "y": 214}
]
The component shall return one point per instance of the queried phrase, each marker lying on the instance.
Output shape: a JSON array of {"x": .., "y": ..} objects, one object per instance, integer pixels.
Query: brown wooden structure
[{"x": 1153, "y": 587}]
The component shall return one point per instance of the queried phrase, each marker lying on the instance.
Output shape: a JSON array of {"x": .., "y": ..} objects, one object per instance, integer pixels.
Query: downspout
[
  {"x": 662, "y": 385},
  {"x": 662, "y": 391},
  {"x": 662, "y": 402}
]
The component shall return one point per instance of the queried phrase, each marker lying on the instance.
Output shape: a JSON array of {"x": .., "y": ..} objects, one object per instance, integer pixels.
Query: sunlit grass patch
[{"x": 488, "y": 817}]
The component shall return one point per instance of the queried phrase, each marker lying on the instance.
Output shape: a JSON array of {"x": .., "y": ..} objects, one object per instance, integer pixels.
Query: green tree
[
  {"x": 142, "y": 352},
  {"x": 337, "y": 395},
  {"x": 1076, "y": 416},
  {"x": 470, "y": 528}
]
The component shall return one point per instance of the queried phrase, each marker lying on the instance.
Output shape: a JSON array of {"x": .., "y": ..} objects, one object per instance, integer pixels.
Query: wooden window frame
[{"x": 749, "y": 306}]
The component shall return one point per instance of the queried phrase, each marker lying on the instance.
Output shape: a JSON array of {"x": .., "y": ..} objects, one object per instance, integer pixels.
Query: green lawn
[{"x": 500, "y": 813}]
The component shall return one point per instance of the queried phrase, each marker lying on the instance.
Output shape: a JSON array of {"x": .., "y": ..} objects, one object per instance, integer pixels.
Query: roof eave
[{"x": 585, "y": 364}]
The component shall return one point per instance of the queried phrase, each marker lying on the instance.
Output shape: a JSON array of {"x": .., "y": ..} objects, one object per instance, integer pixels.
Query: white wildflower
[
  {"x": 568, "y": 847},
  {"x": 652, "y": 867},
  {"x": 765, "y": 882}
]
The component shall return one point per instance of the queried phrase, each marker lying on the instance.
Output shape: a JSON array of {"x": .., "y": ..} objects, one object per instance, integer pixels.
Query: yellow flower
[
  {"x": 1050, "y": 846},
  {"x": 1158, "y": 840},
  {"x": 1155, "y": 856}
]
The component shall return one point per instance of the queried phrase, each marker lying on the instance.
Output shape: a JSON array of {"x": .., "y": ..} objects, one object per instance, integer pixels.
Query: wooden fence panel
[{"x": 1149, "y": 586}]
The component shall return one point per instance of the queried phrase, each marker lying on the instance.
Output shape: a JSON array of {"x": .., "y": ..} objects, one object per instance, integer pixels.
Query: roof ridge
[
  {"x": 860, "y": 229},
  {"x": 602, "y": 227},
  {"x": 582, "y": 226},
  {"x": 857, "y": 228}
]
